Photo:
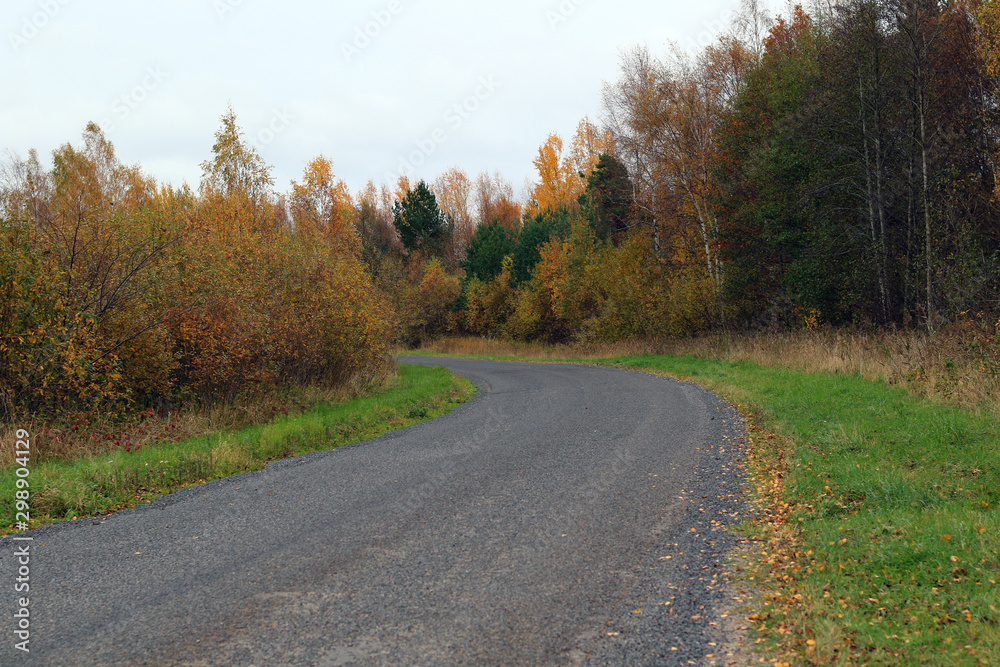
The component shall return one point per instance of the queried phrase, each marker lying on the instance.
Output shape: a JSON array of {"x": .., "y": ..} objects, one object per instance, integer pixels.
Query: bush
[
  {"x": 116, "y": 292},
  {"x": 490, "y": 305}
]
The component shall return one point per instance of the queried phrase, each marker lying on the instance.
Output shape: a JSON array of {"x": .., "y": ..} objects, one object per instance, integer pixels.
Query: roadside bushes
[
  {"x": 490, "y": 304},
  {"x": 419, "y": 297},
  {"x": 587, "y": 289},
  {"x": 116, "y": 291},
  {"x": 81, "y": 249},
  {"x": 436, "y": 294}
]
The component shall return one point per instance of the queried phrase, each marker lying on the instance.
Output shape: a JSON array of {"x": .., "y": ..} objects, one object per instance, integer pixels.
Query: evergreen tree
[
  {"x": 535, "y": 233},
  {"x": 419, "y": 221},
  {"x": 486, "y": 251},
  {"x": 607, "y": 200}
]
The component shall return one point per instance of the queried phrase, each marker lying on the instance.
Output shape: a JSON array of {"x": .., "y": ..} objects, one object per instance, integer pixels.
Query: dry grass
[
  {"x": 84, "y": 435},
  {"x": 959, "y": 365},
  {"x": 493, "y": 347}
]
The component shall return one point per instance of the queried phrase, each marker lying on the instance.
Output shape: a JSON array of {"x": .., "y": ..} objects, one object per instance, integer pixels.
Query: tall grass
[{"x": 959, "y": 365}]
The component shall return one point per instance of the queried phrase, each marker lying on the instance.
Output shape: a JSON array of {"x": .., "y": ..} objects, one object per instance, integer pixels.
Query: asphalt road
[{"x": 566, "y": 515}]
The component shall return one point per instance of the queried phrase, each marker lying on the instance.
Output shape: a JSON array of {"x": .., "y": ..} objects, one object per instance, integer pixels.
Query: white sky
[{"x": 158, "y": 75}]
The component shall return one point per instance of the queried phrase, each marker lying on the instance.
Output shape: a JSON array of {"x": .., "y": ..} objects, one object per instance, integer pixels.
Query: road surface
[{"x": 568, "y": 514}]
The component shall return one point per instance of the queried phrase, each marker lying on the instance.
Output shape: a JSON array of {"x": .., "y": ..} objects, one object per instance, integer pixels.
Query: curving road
[{"x": 568, "y": 514}]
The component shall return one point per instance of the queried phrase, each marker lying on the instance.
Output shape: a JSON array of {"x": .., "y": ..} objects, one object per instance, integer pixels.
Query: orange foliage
[
  {"x": 563, "y": 177},
  {"x": 494, "y": 199},
  {"x": 115, "y": 291},
  {"x": 785, "y": 37},
  {"x": 322, "y": 205}
]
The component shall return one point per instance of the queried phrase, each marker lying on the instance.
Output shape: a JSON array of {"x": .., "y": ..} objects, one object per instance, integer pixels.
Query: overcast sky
[{"x": 374, "y": 85}]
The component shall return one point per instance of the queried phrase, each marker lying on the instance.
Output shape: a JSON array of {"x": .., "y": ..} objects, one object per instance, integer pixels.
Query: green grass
[
  {"x": 101, "y": 484},
  {"x": 892, "y": 512}
]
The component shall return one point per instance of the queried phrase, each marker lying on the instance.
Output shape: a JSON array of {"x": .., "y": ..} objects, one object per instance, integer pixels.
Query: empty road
[{"x": 568, "y": 514}]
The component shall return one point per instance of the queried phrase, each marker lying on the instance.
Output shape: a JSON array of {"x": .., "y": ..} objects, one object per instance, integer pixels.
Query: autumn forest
[{"x": 835, "y": 166}]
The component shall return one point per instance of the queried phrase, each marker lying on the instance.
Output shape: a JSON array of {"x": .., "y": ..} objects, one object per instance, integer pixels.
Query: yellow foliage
[
  {"x": 987, "y": 18},
  {"x": 115, "y": 291},
  {"x": 589, "y": 291},
  {"x": 629, "y": 292},
  {"x": 438, "y": 292},
  {"x": 490, "y": 304},
  {"x": 563, "y": 176},
  {"x": 557, "y": 185},
  {"x": 534, "y": 318},
  {"x": 421, "y": 296},
  {"x": 690, "y": 298},
  {"x": 322, "y": 205}
]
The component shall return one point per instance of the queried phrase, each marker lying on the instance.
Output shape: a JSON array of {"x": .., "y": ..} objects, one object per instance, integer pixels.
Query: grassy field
[
  {"x": 878, "y": 528},
  {"x": 113, "y": 480}
]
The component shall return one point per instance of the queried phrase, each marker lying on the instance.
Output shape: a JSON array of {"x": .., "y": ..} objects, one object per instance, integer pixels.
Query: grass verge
[
  {"x": 959, "y": 365},
  {"x": 108, "y": 482},
  {"x": 880, "y": 535}
]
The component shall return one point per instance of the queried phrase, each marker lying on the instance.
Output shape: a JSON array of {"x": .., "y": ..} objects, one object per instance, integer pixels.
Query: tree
[
  {"x": 764, "y": 169},
  {"x": 322, "y": 204},
  {"x": 418, "y": 220},
  {"x": 987, "y": 15},
  {"x": 563, "y": 173},
  {"x": 589, "y": 143},
  {"x": 494, "y": 200},
  {"x": 916, "y": 24},
  {"x": 238, "y": 176},
  {"x": 484, "y": 256},
  {"x": 373, "y": 221},
  {"x": 665, "y": 116},
  {"x": 453, "y": 190},
  {"x": 865, "y": 67},
  {"x": 536, "y": 232},
  {"x": 607, "y": 201},
  {"x": 558, "y": 184}
]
